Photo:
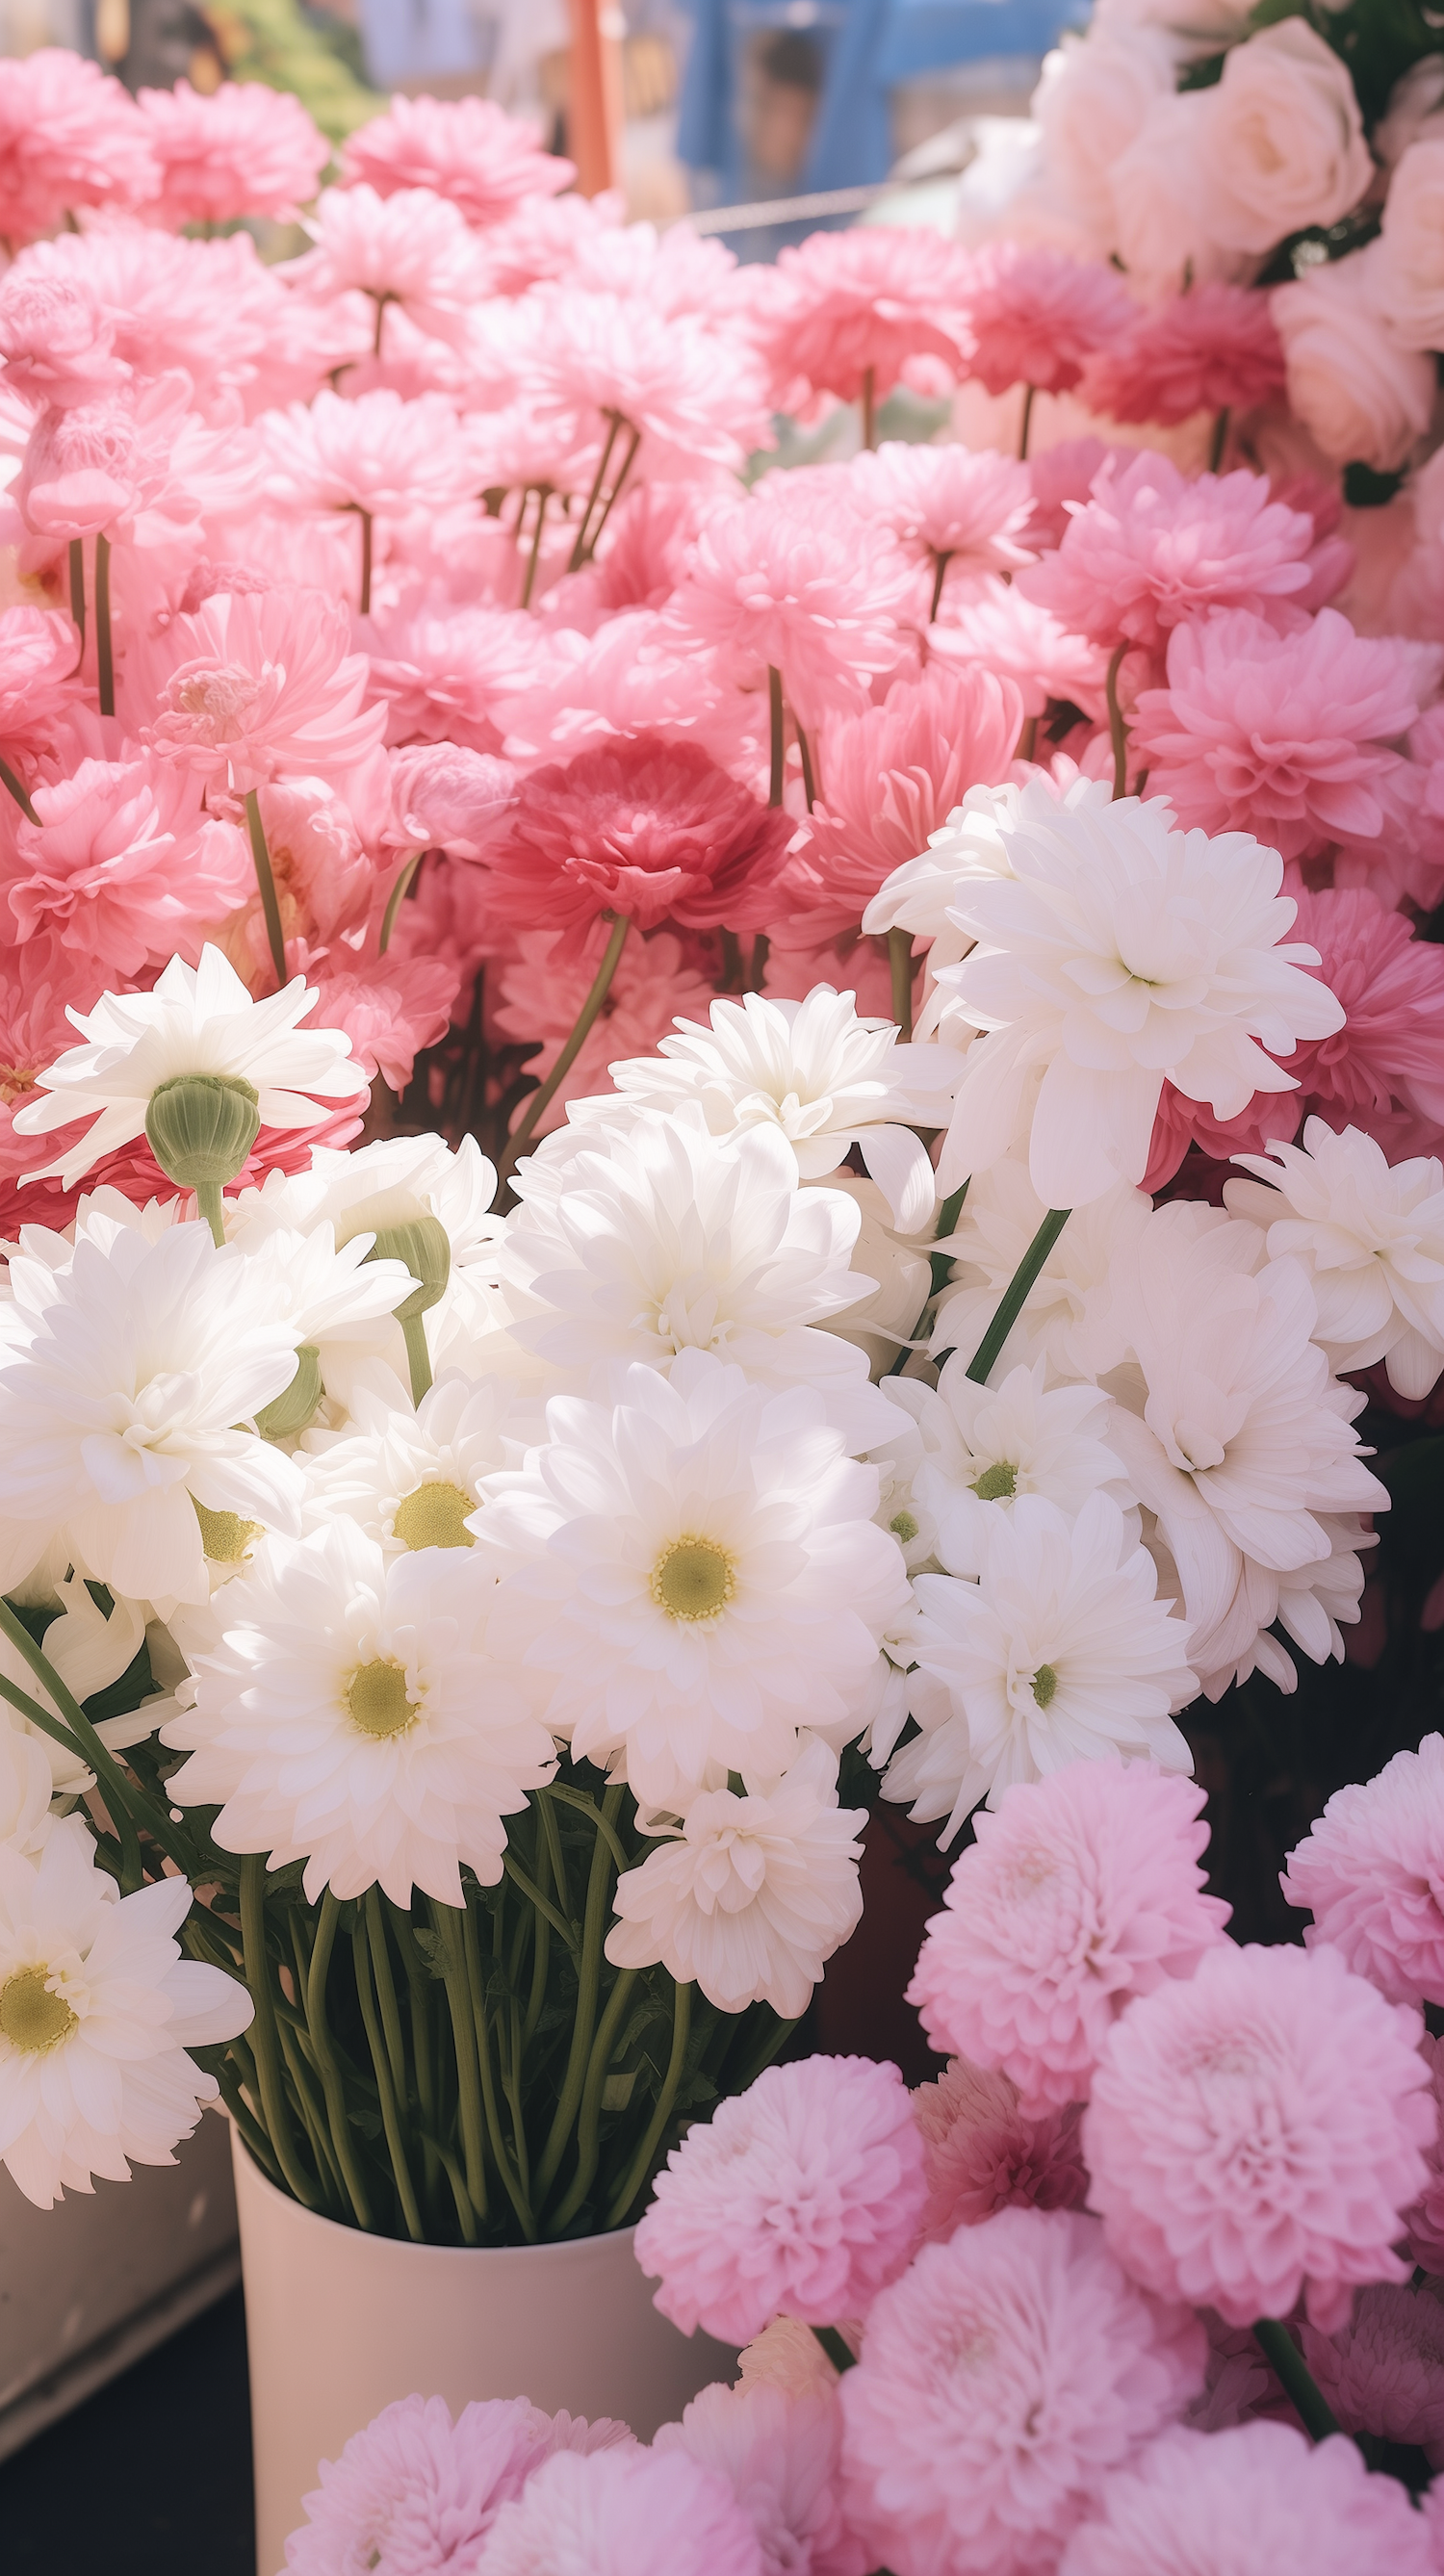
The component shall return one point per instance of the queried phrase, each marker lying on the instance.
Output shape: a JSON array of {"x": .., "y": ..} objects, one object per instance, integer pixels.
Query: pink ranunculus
[
  {"x": 800, "y": 2197},
  {"x": 1037, "y": 317},
  {"x": 1258, "y": 2131},
  {"x": 260, "y": 685},
  {"x": 642, "y": 827},
  {"x": 1390, "y": 1050},
  {"x": 1081, "y": 1892},
  {"x": 445, "y": 797},
  {"x": 1256, "y": 2500},
  {"x": 1370, "y": 1870},
  {"x": 1149, "y": 552},
  {"x": 1285, "y": 736},
  {"x": 467, "y": 149},
  {"x": 983, "y": 2155},
  {"x": 623, "y": 2513},
  {"x": 1214, "y": 349},
  {"x": 124, "y": 865},
  {"x": 889, "y": 777},
  {"x": 542, "y": 993},
  {"x": 69, "y": 137},
  {"x": 1001, "y": 2380},
  {"x": 245, "y": 149},
  {"x": 821, "y": 602},
  {"x": 841, "y": 308}
]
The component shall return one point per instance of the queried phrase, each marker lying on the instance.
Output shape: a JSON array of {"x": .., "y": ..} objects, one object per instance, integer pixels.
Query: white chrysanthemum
[
  {"x": 645, "y": 1240},
  {"x": 90, "y": 1648},
  {"x": 1312, "y": 1603},
  {"x": 696, "y": 1566},
  {"x": 346, "y": 1714},
  {"x": 1229, "y": 1424},
  {"x": 825, "y": 1079},
  {"x": 754, "y": 1893},
  {"x": 121, "y": 1411},
  {"x": 920, "y": 895},
  {"x": 97, "y": 2010},
  {"x": 1061, "y": 1653},
  {"x": 410, "y": 1478},
  {"x": 1121, "y": 952},
  {"x": 892, "y": 1272},
  {"x": 198, "y": 1019},
  {"x": 985, "y": 1448},
  {"x": 1371, "y": 1237},
  {"x": 1064, "y": 1320},
  {"x": 26, "y": 1788}
]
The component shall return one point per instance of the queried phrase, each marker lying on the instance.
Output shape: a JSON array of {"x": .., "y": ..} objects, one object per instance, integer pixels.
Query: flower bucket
[{"x": 339, "y": 2324}]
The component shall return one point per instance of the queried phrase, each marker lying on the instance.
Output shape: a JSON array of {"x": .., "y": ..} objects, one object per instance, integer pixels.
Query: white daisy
[
  {"x": 1371, "y": 1237},
  {"x": 408, "y": 1477},
  {"x": 198, "y": 1019},
  {"x": 347, "y": 1714},
  {"x": 753, "y": 1893},
  {"x": 696, "y": 1567},
  {"x": 1061, "y": 1653},
  {"x": 1121, "y": 952},
  {"x": 920, "y": 896},
  {"x": 819, "y": 1075},
  {"x": 986, "y": 1447},
  {"x": 97, "y": 2010},
  {"x": 121, "y": 1411}
]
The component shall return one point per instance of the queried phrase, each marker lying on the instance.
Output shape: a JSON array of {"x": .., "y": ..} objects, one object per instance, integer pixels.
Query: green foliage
[
  {"x": 277, "y": 42},
  {"x": 1380, "y": 40}
]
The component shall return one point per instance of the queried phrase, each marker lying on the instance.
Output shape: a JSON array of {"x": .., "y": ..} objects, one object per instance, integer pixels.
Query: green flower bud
[
  {"x": 201, "y": 1127},
  {"x": 291, "y": 1410},
  {"x": 422, "y": 1245}
]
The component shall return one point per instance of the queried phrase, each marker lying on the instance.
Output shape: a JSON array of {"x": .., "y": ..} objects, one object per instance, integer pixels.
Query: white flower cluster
[{"x": 681, "y": 1468}]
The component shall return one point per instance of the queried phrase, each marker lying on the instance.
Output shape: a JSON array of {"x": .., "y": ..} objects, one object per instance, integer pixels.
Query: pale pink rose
[
  {"x": 247, "y": 149},
  {"x": 1257, "y": 2500},
  {"x": 983, "y": 2155},
  {"x": 1351, "y": 382},
  {"x": 1410, "y": 270},
  {"x": 467, "y": 149},
  {"x": 1163, "y": 198},
  {"x": 1285, "y": 139},
  {"x": 1091, "y": 102},
  {"x": 69, "y": 137}
]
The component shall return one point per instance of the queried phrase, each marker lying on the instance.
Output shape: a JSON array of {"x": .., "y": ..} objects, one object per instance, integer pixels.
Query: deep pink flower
[
  {"x": 983, "y": 2155},
  {"x": 1284, "y": 736},
  {"x": 1370, "y": 1870},
  {"x": 623, "y": 2513},
  {"x": 467, "y": 149},
  {"x": 1258, "y": 2131},
  {"x": 1149, "y": 551},
  {"x": 124, "y": 865},
  {"x": 842, "y": 307},
  {"x": 1037, "y": 317},
  {"x": 1391, "y": 984},
  {"x": 1001, "y": 2380},
  {"x": 1214, "y": 349},
  {"x": 820, "y": 600},
  {"x": 800, "y": 2197},
  {"x": 1259, "y": 2500},
  {"x": 642, "y": 827},
  {"x": 1080, "y": 1892},
  {"x": 1383, "y": 2372},
  {"x": 260, "y": 685},
  {"x": 1271, "y": 1117},
  {"x": 69, "y": 137},
  {"x": 889, "y": 777},
  {"x": 246, "y": 149}
]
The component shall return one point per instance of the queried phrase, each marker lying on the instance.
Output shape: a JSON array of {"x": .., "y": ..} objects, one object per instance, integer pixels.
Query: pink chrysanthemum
[
  {"x": 642, "y": 827},
  {"x": 415, "y": 2495},
  {"x": 889, "y": 777},
  {"x": 843, "y": 308},
  {"x": 38, "y": 678},
  {"x": 467, "y": 149},
  {"x": 542, "y": 994},
  {"x": 801, "y": 2196},
  {"x": 1383, "y": 2372},
  {"x": 818, "y": 600},
  {"x": 258, "y": 685},
  {"x": 780, "y": 2452},
  {"x": 1150, "y": 551},
  {"x": 1214, "y": 349},
  {"x": 441, "y": 670},
  {"x": 983, "y": 2155},
  {"x": 1370, "y": 1870},
  {"x": 1258, "y": 2500},
  {"x": 69, "y": 137},
  {"x": 376, "y": 453},
  {"x": 1037, "y": 317},
  {"x": 123, "y": 866},
  {"x": 1424, "y": 2222},
  {"x": 1257, "y": 2132},
  {"x": 603, "y": 357},
  {"x": 1284, "y": 736},
  {"x": 57, "y": 345},
  {"x": 1080, "y": 1892},
  {"x": 623, "y": 2513},
  {"x": 968, "y": 506},
  {"x": 1000, "y": 2381},
  {"x": 389, "y": 1007},
  {"x": 246, "y": 150},
  {"x": 1391, "y": 984},
  {"x": 412, "y": 249}
]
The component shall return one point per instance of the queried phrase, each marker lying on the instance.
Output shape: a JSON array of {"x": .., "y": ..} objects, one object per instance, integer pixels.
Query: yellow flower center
[
  {"x": 693, "y": 1579},
  {"x": 997, "y": 1484},
  {"x": 31, "y": 2017},
  {"x": 1045, "y": 1683},
  {"x": 904, "y": 1527},
  {"x": 376, "y": 1698},
  {"x": 225, "y": 1537},
  {"x": 435, "y": 1516}
]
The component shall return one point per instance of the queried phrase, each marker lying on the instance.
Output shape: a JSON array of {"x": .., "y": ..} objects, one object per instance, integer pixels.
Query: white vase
[{"x": 339, "y": 2324}]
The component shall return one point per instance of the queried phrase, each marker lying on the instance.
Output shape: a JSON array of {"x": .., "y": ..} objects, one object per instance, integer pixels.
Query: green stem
[
  {"x": 534, "y": 1897},
  {"x": 1027, "y": 422},
  {"x": 543, "y": 494},
  {"x": 588, "y": 1982},
  {"x": 447, "y": 1925},
  {"x": 418, "y": 1986},
  {"x": 418, "y": 1356},
  {"x": 761, "y": 949},
  {"x": 131, "y": 1871},
  {"x": 265, "y": 2041},
  {"x": 595, "y": 1816},
  {"x": 941, "y": 561},
  {"x": 481, "y": 2023},
  {"x": 123, "y": 1797},
  {"x": 77, "y": 589},
  {"x": 809, "y": 783},
  {"x": 16, "y": 788},
  {"x": 366, "y": 544},
  {"x": 1028, "y": 739},
  {"x": 778, "y": 734},
  {"x": 330, "y": 2073},
  {"x": 589, "y": 2123},
  {"x": 641, "y": 2164},
  {"x": 541, "y": 1955},
  {"x": 104, "y": 644},
  {"x": 267, "y": 883},
  {"x": 381, "y": 2062},
  {"x": 210, "y": 1207},
  {"x": 900, "y": 964},
  {"x": 545, "y": 1091},
  {"x": 1219, "y": 441},
  {"x": 395, "y": 899},
  {"x": 1116, "y": 726},
  {"x": 615, "y": 493},
  {"x": 579, "y": 550},
  {"x": 869, "y": 407},
  {"x": 1010, "y": 1305},
  {"x": 1288, "y": 2364}
]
